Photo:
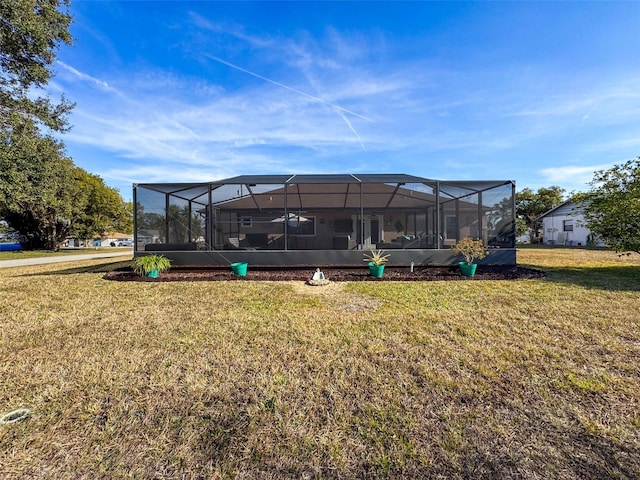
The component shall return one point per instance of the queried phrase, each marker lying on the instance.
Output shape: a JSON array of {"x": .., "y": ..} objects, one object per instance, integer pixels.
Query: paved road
[{"x": 61, "y": 258}]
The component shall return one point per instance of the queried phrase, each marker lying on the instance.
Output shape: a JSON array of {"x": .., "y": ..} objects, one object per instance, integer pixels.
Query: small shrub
[{"x": 470, "y": 249}]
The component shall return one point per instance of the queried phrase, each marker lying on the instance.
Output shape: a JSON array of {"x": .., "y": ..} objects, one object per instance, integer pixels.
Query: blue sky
[{"x": 543, "y": 93}]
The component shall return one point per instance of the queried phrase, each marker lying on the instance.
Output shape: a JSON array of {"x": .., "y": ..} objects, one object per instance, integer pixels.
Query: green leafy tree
[
  {"x": 98, "y": 208},
  {"x": 612, "y": 206},
  {"x": 35, "y": 175},
  {"x": 530, "y": 205},
  {"x": 31, "y": 31},
  {"x": 45, "y": 197},
  {"x": 35, "y": 180},
  {"x": 42, "y": 194}
]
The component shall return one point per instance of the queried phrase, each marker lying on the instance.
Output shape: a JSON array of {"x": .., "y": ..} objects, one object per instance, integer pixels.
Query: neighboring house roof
[
  {"x": 568, "y": 207},
  {"x": 148, "y": 233},
  {"x": 116, "y": 235}
]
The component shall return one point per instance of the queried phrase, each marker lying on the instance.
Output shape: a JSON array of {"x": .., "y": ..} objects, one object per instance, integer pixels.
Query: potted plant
[
  {"x": 151, "y": 265},
  {"x": 376, "y": 260},
  {"x": 470, "y": 249}
]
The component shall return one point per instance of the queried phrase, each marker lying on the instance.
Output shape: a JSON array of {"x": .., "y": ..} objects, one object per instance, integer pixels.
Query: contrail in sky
[
  {"x": 346, "y": 120},
  {"x": 316, "y": 99},
  {"x": 86, "y": 77}
]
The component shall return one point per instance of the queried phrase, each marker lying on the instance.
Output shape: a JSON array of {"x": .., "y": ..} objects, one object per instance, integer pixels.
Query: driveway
[{"x": 23, "y": 262}]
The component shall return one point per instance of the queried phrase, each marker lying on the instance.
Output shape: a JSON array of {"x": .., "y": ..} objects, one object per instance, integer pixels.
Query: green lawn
[{"x": 475, "y": 379}]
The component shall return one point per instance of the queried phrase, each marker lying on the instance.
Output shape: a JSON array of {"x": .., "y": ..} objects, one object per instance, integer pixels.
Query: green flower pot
[
  {"x": 468, "y": 269},
  {"x": 239, "y": 268},
  {"x": 153, "y": 274},
  {"x": 376, "y": 270}
]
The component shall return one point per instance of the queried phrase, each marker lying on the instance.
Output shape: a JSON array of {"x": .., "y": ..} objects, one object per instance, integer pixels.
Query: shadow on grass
[
  {"x": 100, "y": 268},
  {"x": 614, "y": 278},
  {"x": 579, "y": 453}
]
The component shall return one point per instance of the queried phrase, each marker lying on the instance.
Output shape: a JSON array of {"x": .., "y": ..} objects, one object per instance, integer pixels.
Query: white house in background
[
  {"x": 566, "y": 225},
  {"x": 114, "y": 239}
]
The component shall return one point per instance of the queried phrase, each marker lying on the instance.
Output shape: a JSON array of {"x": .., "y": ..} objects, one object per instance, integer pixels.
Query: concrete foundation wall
[{"x": 400, "y": 257}]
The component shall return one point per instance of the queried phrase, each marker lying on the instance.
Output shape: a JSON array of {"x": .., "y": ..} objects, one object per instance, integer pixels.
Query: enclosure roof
[
  {"x": 323, "y": 178},
  {"x": 326, "y": 178},
  {"x": 451, "y": 188}
]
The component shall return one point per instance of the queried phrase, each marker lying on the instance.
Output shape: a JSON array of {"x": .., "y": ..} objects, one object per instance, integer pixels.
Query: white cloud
[
  {"x": 304, "y": 103},
  {"x": 288, "y": 87},
  {"x": 608, "y": 101},
  {"x": 234, "y": 30},
  {"x": 154, "y": 120},
  {"x": 620, "y": 143},
  {"x": 572, "y": 174}
]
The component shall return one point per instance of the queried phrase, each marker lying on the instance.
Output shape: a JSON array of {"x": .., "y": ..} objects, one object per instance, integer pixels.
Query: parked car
[{"x": 124, "y": 243}]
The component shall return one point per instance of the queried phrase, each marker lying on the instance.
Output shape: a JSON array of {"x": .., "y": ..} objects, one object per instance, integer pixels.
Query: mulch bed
[{"x": 335, "y": 274}]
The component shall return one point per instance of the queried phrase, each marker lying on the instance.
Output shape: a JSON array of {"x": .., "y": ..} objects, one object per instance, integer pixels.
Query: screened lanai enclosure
[{"x": 323, "y": 219}]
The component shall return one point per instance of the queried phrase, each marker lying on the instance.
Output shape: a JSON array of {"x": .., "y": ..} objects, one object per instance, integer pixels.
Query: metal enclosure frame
[{"x": 323, "y": 219}]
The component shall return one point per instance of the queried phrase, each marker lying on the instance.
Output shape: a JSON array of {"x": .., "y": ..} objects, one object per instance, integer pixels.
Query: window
[
  {"x": 567, "y": 226},
  {"x": 246, "y": 221}
]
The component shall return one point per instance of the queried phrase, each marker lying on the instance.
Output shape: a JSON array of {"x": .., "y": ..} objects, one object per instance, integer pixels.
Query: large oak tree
[
  {"x": 35, "y": 180},
  {"x": 43, "y": 195}
]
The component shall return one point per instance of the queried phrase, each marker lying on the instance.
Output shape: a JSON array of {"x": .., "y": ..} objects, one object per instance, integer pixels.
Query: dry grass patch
[{"x": 525, "y": 379}]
